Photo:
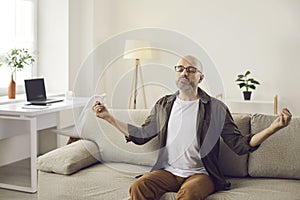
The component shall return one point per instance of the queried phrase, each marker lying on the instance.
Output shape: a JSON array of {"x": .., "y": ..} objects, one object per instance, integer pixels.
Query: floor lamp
[{"x": 136, "y": 49}]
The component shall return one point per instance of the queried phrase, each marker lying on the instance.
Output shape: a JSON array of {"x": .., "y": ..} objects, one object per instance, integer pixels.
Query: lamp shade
[{"x": 137, "y": 49}]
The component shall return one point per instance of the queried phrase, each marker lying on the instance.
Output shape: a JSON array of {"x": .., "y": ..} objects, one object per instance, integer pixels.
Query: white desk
[{"x": 14, "y": 119}]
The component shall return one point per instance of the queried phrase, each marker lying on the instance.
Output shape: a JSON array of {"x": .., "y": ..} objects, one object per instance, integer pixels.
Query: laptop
[{"x": 36, "y": 92}]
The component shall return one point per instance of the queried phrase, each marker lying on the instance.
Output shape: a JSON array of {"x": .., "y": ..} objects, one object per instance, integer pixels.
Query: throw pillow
[{"x": 69, "y": 159}]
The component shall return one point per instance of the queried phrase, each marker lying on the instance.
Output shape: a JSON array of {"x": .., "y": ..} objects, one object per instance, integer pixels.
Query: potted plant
[
  {"x": 249, "y": 83},
  {"x": 16, "y": 60}
]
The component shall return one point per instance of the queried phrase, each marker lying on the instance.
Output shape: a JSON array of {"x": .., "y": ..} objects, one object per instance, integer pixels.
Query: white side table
[{"x": 253, "y": 106}]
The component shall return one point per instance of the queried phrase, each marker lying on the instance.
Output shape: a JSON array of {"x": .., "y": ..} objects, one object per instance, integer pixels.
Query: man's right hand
[{"x": 101, "y": 111}]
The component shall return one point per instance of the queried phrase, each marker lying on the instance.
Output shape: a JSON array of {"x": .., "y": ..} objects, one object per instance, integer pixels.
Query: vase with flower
[{"x": 16, "y": 60}]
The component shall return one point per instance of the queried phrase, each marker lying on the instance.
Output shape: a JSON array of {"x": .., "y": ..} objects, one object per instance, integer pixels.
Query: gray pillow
[
  {"x": 278, "y": 156},
  {"x": 69, "y": 159},
  {"x": 232, "y": 164}
]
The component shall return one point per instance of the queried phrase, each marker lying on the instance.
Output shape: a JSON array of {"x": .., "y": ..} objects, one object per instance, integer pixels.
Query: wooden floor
[
  {"x": 14, "y": 195},
  {"x": 17, "y": 173}
]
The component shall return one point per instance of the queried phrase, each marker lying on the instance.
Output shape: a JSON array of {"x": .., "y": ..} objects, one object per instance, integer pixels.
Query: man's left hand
[{"x": 282, "y": 120}]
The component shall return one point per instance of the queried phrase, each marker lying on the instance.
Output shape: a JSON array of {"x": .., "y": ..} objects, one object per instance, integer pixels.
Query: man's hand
[
  {"x": 101, "y": 111},
  {"x": 281, "y": 121}
]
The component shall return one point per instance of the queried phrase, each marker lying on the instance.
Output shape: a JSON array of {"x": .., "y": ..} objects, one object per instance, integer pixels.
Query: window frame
[{"x": 20, "y": 87}]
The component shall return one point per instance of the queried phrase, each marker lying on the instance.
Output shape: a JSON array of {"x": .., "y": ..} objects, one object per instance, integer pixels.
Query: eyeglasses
[{"x": 189, "y": 69}]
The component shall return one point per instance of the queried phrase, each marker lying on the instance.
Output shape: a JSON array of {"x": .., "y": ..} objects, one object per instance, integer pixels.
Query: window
[{"x": 18, "y": 30}]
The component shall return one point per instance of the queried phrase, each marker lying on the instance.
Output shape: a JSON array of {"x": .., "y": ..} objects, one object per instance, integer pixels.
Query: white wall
[
  {"x": 81, "y": 34},
  {"x": 53, "y": 49},
  {"x": 262, "y": 36}
]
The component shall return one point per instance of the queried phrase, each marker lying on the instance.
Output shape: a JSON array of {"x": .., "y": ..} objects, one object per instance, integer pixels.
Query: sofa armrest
[{"x": 70, "y": 158}]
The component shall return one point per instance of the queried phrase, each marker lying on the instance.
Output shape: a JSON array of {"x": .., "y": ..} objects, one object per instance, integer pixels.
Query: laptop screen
[{"x": 35, "y": 89}]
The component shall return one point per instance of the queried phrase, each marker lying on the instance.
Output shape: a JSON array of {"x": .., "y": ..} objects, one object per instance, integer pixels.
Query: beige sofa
[{"x": 74, "y": 171}]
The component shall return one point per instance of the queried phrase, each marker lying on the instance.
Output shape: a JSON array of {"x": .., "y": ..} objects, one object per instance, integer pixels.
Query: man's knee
[
  {"x": 187, "y": 194},
  {"x": 141, "y": 184},
  {"x": 196, "y": 187},
  {"x": 135, "y": 186},
  {"x": 142, "y": 189}
]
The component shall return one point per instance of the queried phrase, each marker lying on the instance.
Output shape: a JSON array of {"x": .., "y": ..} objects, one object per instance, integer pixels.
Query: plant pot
[
  {"x": 247, "y": 95},
  {"x": 12, "y": 88}
]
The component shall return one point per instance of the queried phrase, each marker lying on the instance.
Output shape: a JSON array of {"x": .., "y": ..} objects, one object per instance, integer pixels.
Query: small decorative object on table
[
  {"x": 16, "y": 60},
  {"x": 244, "y": 81}
]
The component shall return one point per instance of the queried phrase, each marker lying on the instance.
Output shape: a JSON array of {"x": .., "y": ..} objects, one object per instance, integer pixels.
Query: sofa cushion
[
  {"x": 254, "y": 189},
  {"x": 69, "y": 159},
  {"x": 278, "y": 156},
  {"x": 112, "y": 182},
  {"x": 259, "y": 189},
  {"x": 112, "y": 143},
  {"x": 98, "y": 182},
  {"x": 232, "y": 164}
]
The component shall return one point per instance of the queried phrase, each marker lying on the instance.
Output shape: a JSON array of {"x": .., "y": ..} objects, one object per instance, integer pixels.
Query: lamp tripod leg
[
  {"x": 135, "y": 83},
  {"x": 137, "y": 72},
  {"x": 143, "y": 88},
  {"x": 133, "y": 90}
]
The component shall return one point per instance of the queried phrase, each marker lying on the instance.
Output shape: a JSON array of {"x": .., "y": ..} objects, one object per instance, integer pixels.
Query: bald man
[{"x": 188, "y": 125}]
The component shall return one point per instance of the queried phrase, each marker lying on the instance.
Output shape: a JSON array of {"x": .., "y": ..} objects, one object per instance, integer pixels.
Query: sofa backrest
[
  {"x": 112, "y": 143},
  {"x": 232, "y": 164},
  {"x": 278, "y": 156},
  {"x": 113, "y": 146}
]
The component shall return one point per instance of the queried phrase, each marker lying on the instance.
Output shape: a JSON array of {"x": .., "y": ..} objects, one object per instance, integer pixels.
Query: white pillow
[{"x": 70, "y": 158}]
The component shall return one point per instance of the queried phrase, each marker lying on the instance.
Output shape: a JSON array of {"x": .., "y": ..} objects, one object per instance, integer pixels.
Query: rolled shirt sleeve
[
  {"x": 148, "y": 130},
  {"x": 232, "y": 136}
]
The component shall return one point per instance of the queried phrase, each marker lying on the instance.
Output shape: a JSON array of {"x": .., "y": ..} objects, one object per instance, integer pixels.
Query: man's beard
[{"x": 184, "y": 84}]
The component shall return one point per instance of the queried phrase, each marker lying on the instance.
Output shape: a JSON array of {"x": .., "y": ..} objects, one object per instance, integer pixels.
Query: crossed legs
[{"x": 152, "y": 185}]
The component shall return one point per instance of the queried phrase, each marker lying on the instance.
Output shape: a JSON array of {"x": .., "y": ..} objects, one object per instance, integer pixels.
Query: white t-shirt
[{"x": 182, "y": 147}]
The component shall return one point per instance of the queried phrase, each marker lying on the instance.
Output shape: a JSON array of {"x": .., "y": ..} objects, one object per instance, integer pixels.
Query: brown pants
[{"x": 153, "y": 185}]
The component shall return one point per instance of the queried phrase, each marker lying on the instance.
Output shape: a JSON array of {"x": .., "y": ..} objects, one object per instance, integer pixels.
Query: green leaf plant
[
  {"x": 244, "y": 81},
  {"x": 17, "y": 59}
]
